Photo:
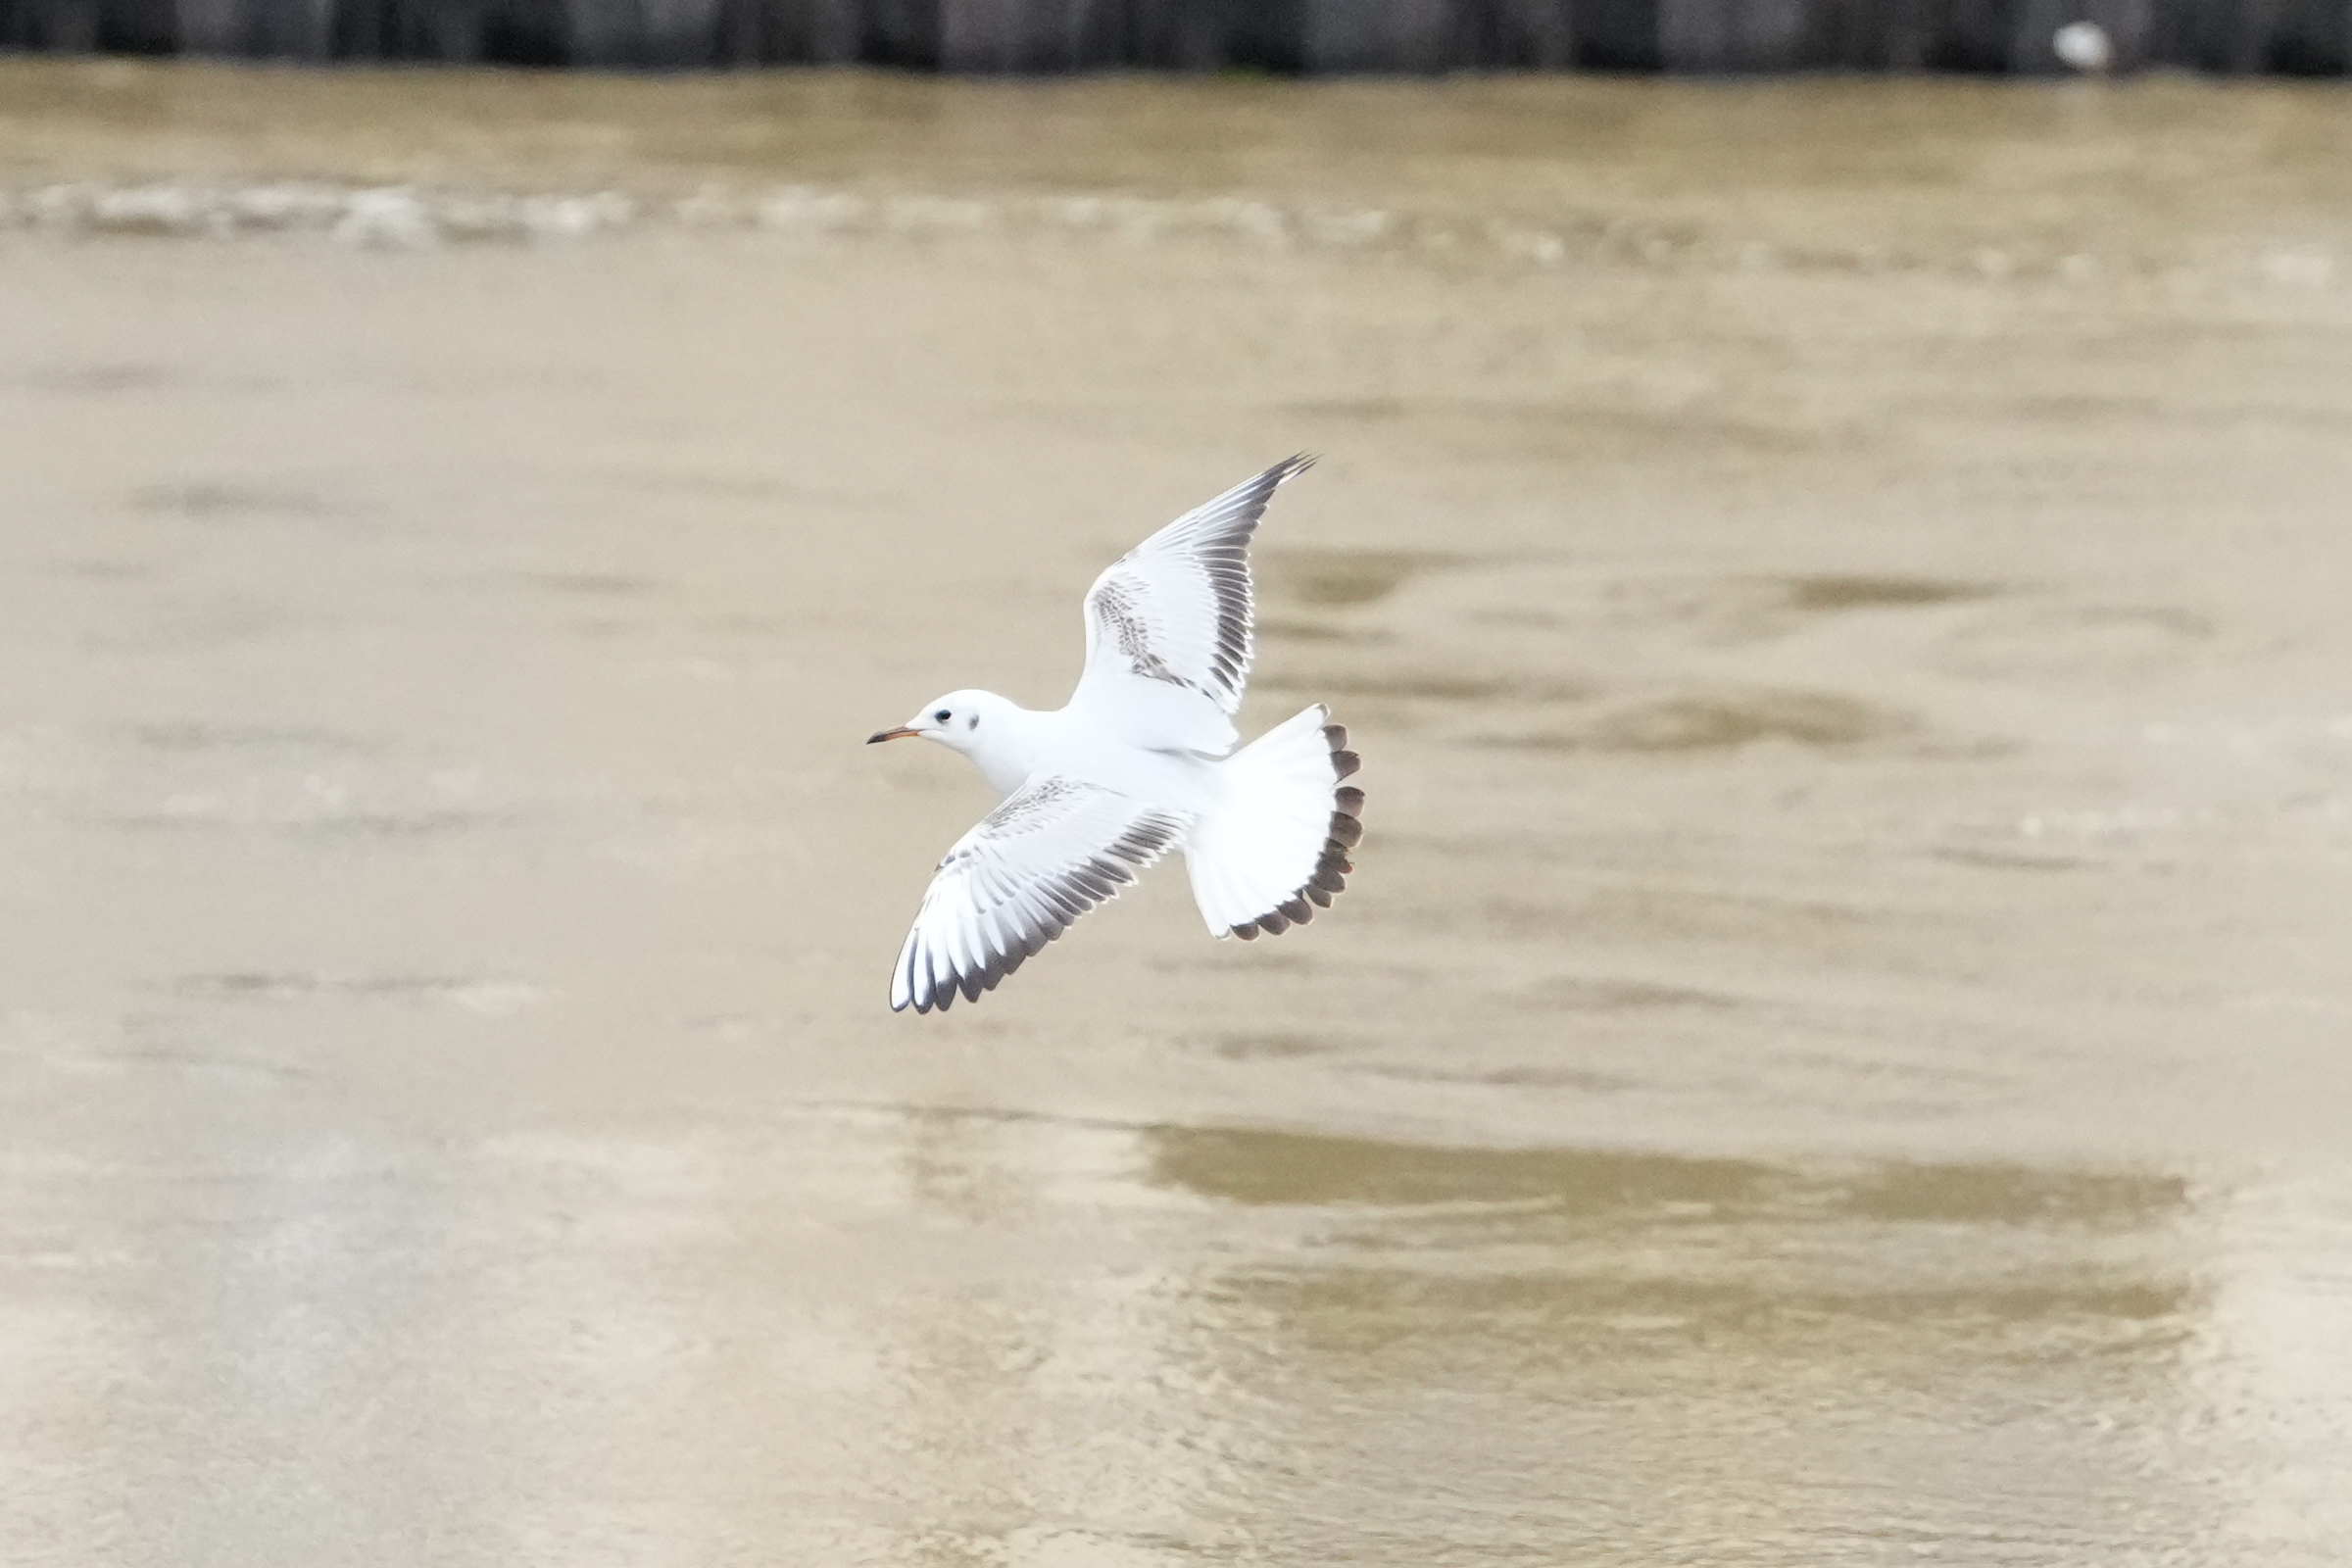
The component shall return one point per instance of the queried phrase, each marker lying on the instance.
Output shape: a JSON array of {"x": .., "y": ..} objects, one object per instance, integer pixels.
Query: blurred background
[
  {"x": 2300, "y": 37},
  {"x": 1835, "y": 1052}
]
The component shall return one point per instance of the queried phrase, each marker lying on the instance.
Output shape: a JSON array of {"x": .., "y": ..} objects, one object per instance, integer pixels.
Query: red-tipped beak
[{"x": 898, "y": 734}]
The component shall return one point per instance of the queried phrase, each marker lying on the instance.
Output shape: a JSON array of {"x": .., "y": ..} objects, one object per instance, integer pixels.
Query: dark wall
[{"x": 1697, "y": 36}]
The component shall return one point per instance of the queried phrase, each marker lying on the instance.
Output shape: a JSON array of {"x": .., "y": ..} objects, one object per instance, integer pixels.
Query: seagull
[{"x": 1138, "y": 762}]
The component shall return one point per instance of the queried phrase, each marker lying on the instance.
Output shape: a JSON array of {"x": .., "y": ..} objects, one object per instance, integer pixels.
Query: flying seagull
[{"x": 1139, "y": 761}]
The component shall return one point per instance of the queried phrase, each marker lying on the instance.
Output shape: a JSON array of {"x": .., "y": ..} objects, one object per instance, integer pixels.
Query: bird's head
[{"x": 959, "y": 722}]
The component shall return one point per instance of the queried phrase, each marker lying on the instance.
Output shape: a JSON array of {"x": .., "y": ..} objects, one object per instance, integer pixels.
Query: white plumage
[{"x": 1135, "y": 764}]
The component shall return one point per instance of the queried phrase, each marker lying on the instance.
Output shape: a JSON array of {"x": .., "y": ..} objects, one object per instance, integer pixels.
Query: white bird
[{"x": 1139, "y": 761}]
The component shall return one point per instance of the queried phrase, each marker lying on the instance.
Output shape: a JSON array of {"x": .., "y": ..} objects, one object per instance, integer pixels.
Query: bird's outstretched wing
[
  {"x": 1053, "y": 849},
  {"x": 1172, "y": 618}
]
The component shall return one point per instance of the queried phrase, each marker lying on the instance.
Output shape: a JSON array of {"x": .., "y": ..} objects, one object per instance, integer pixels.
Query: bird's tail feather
[{"x": 1277, "y": 847}]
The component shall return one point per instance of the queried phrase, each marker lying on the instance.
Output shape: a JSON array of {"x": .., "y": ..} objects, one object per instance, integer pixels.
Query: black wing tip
[
  {"x": 1262, "y": 488},
  {"x": 1332, "y": 868},
  {"x": 965, "y": 983},
  {"x": 1258, "y": 491},
  {"x": 970, "y": 984}
]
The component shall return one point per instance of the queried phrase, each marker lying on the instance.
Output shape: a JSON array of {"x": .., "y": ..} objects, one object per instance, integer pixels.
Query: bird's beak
[{"x": 898, "y": 734}]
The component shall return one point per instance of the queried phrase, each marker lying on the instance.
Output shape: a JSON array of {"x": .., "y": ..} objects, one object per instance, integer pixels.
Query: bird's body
[
  {"x": 1138, "y": 762},
  {"x": 1013, "y": 743}
]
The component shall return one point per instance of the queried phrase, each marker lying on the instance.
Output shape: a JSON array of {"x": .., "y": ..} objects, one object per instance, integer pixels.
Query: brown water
[{"x": 1838, "y": 1053}]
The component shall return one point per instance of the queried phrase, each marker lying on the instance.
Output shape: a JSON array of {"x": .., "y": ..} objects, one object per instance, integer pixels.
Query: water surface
[{"x": 1836, "y": 1050}]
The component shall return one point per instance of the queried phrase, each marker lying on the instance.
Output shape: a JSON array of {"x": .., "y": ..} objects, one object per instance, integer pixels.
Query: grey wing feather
[
  {"x": 1178, "y": 608},
  {"x": 1054, "y": 848}
]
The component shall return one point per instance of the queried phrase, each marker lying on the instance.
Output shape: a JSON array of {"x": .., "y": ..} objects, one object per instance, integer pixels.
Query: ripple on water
[{"x": 1778, "y": 1352}]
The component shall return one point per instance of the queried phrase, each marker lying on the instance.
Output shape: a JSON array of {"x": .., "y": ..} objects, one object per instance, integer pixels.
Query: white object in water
[
  {"x": 1138, "y": 762},
  {"x": 2085, "y": 46}
]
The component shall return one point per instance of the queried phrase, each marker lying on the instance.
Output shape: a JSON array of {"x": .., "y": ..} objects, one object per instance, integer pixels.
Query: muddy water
[{"x": 1838, "y": 1051}]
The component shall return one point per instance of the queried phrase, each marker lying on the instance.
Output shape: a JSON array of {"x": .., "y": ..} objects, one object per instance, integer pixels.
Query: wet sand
[{"x": 1837, "y": 1051}]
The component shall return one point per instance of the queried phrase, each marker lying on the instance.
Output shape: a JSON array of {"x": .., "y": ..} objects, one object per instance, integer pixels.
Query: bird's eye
[{"x": 942, "y": 717}]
